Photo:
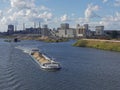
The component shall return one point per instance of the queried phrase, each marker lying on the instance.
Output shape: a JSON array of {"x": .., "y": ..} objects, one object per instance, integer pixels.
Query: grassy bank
[
  {"x": 38, "y": 38},
  {"x": 104, "y": 45},
  {"x": 56, "y": 40},
  {"x": 7, "y": 37},
  {"x": 44, "y": 39}
]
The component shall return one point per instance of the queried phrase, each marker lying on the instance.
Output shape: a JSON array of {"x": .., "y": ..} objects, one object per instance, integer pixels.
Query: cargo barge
[{"x": 44, "y": 61}]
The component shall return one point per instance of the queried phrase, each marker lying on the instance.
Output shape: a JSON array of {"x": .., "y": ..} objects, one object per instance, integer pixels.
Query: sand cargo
[{"x": 44, "y": 61}]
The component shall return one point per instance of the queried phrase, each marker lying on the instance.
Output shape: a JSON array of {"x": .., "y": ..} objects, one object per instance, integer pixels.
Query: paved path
[{"x": 103, "y": 40}]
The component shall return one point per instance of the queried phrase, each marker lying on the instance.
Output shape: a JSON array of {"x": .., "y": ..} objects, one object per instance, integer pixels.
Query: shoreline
[
  {"x": 109, "y": 45},
  {"x": 38, "y": 38}
]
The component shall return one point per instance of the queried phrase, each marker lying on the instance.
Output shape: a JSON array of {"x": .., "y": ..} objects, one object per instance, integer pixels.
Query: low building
[
  {"x": 32, "y": 31},
  {"x": 113, "y": 33},
  {"x": 44, "y": 31},
  {"x": 99, "y": 30}
]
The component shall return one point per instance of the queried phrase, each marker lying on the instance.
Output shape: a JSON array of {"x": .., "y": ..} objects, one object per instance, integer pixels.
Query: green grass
[
  {"x": 104, "y": 45},
  {"x": 7, "y": 37}
]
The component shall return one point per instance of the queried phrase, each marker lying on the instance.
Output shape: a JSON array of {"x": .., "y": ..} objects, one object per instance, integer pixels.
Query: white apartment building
[
  {"x": 82, "y": 30},
  {"x": 65, "y": 31}
]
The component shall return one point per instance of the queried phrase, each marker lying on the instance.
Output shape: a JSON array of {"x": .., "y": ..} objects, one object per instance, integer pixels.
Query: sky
[{"x": 55, "y": 12}]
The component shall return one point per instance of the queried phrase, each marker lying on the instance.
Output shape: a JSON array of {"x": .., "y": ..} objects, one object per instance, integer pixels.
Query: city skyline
[{"x": 53, "y": 13}]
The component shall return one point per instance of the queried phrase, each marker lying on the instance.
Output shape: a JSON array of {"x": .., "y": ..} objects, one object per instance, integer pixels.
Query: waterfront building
[
  {"x": 36, "y": 31},
  {"x": 32, "y": 30},
  {"x": 45, "y": 31},
  {"x": 112, "y": 33},
  {"x": 10, "y": 30},
  {"x": 64, "y": 26},
  {"x": 65, "y": 31},
  {"x": 99, "y": 30},
  {"x": 83, "y": 30}
]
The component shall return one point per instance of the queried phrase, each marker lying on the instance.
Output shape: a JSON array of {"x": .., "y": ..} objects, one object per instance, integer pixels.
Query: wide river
[{"x": 82, "y": 68}]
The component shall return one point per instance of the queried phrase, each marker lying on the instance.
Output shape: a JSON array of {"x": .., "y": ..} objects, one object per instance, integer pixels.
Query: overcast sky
[{"x": 55, "y": 12}]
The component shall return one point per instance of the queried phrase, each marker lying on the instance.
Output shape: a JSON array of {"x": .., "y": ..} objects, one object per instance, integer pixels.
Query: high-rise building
[
  {"x": 86, "y": 26},
  {"x": 83, "y": 30},
  {"x": 65, "y": 31},
  {"x": 10, "y": 29},
  {"x": 64, "y": 26}
]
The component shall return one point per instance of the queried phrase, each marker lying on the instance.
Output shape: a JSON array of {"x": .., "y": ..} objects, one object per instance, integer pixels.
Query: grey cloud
[{"x": 90, "y": 11}]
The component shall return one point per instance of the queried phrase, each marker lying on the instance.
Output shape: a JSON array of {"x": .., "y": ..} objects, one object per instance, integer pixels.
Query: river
[{"x": 82, "y": 68}]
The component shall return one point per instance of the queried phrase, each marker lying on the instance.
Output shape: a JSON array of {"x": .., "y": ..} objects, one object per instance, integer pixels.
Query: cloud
[
  {"x": 1, "y": 13},
  {"x": 9, "y": 20},
  {"x": 25, "y": 11},
  {"x": 46, "y": 15},
  {"x": 22, "y": 4},
  {"x": 90, "y": 11},
  {"x": 104, "y": 1},
  {"x": 115, "y": 18},
  {"x": 42, "y": 17},
  {"x": 111, "y": 22},
  {"x": 81, "y": 20},
  {"x": 44, "y": 8},
  {"x": 64, "y": 18},
  {"x": 117, "y": 3}
]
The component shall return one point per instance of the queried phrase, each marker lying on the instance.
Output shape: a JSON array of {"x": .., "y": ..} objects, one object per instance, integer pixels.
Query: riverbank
[
  {"x": 37, "y": 38},
  {"x": 56, "y": 40},
  {"x": 111, "y": 45},
  {"x": 44, "y": 39}
]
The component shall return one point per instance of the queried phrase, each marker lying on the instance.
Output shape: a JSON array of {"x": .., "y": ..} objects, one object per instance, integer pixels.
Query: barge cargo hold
[{"x": 45, "y": 62}]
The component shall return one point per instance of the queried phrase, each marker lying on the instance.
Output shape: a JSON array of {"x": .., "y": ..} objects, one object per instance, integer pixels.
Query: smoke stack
[
  {"x": 23, "y": 26},
  {"x": 34, "y": 25},
  {"x": 39, "y": 25},
  {"x": 15, "y": 27}
]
